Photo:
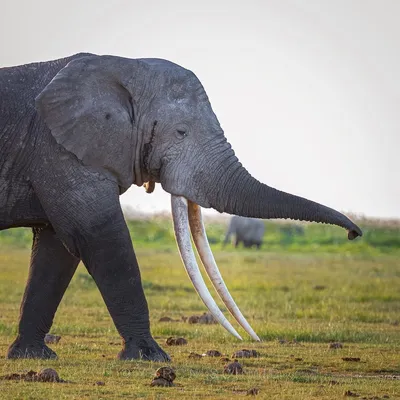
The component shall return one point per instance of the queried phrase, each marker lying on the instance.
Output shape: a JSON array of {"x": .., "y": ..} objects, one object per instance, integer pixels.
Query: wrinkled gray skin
[
  {"x": 248, "y": 231},
  {"x": 77, "y": 132}
]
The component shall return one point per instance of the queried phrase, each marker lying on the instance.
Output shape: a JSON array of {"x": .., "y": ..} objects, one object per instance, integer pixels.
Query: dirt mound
[
  {"x": 164, "y": 377},
  {"x": 244, "y": 353},
  {"x": 233, "y": 368},
  {"x": 206, "y": 318},
  {"x": 180, "y": 341},
  {"x": 213, "y": 353},
  {"x": 44, "y": 375}
]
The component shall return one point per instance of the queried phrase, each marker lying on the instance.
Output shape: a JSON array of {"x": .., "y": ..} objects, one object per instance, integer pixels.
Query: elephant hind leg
[{"x": 51, "y": 270}]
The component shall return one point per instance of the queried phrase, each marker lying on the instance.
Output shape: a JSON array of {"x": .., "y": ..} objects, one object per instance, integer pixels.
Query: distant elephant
[
  {"x": 248, "y": 231},
  {"x": 76, "y": 133}
]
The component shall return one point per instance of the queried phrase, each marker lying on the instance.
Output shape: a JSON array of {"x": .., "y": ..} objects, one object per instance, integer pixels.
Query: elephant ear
[{"x": 89, "y": 111}]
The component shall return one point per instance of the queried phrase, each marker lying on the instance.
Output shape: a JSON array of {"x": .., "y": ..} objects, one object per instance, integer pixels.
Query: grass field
[{"x": 299, "y": 293}]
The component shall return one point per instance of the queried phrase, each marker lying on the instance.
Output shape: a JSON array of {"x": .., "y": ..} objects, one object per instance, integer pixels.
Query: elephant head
[{"x": 150, "y": 120}]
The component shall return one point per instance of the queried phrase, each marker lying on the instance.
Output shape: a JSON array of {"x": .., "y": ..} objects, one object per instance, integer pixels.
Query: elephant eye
[{"x": 182, "y": 132}]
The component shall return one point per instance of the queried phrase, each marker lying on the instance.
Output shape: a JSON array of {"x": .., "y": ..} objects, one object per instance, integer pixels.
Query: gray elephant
[
  {"x": 248, "y": 231},
  {"x": 76, "y": 133}
]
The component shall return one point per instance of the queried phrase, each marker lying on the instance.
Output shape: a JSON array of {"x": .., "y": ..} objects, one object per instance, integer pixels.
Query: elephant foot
[
  {"x": 143, "y": 349},
  {"x": 20, "y": 349}
]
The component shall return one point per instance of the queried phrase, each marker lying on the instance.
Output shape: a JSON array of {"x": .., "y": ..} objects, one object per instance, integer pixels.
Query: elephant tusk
[
  {"x": 207, "y": 258},
  {"x": 181, "y": 226}
]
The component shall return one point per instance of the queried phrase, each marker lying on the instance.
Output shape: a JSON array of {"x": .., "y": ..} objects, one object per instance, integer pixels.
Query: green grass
[
  {"x": 378, "y": 237},
  {"x": 358, "y": 304}
]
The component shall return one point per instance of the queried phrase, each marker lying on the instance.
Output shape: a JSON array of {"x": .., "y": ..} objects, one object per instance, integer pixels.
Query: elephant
[
  {"x": 76, "y": 133},
  {"x": 249, "y": 231}
]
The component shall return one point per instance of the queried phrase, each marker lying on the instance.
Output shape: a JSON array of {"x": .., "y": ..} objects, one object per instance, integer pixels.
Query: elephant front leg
[
  {"x": 51, "y": 270},
  {"x": 90, "y": 222},
  {"x": 111, "y": 261}
]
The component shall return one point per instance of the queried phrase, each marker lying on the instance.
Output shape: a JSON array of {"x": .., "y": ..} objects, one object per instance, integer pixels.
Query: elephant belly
[{"x": 19, "y": 205}]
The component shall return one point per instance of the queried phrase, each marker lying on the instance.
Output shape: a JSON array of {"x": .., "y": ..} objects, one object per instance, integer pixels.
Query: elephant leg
[
  {"x": 51, "y": 270},
  {"x": 110, "y": 259},
  {"x": 89, "y": 220},
  {"x": 120, "y": 285}
]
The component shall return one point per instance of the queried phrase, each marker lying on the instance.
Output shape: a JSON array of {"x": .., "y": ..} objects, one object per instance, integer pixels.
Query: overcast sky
[{"x": 308, "y": 92}]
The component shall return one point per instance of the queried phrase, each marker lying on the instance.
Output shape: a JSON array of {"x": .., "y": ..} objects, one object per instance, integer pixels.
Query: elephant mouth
[{"x": 187, "y": 219}]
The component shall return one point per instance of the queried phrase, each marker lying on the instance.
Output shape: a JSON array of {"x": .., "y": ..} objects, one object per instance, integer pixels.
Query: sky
[{"x": 307, "y": 92}]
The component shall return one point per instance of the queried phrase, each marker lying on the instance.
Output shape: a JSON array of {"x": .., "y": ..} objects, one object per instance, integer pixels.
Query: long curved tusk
[
  {"x": 207, "y": 258},
  {"x": 181, "y": 227}
]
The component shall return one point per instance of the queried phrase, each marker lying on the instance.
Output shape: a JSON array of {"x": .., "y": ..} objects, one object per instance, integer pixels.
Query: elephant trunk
[{"x": 241, "y": 194}]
